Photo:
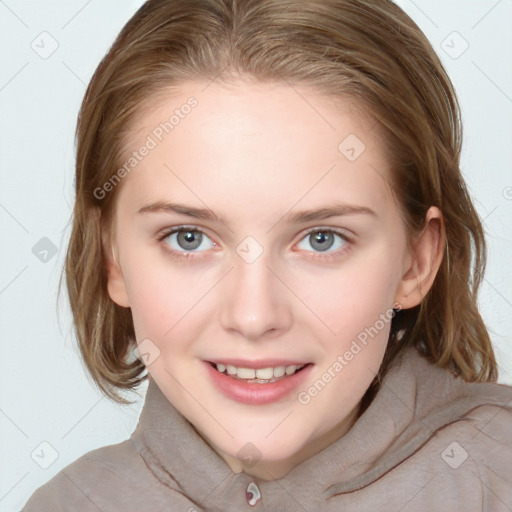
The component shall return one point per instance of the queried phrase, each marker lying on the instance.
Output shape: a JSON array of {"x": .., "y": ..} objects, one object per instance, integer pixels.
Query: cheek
[
  {"x": 165, "y": 300},
  {"x": 153, "y": 294},
  {"x": 353, "y": 297}
]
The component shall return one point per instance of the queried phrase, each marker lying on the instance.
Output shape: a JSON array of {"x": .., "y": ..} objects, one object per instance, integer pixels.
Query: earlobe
[
  {"x": 115, "y": 279},
  {"x": 426, "y": 257}
]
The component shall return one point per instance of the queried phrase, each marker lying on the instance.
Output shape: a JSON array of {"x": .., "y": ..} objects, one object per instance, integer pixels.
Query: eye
[
  {"x": 183, "y": 239},
  {"x": 322, "y": 240}
]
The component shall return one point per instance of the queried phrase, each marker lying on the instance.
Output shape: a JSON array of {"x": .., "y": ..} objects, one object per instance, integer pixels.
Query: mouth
[
  {"x": 260, "y": 382},
  {"x": 261, "y": 375}
]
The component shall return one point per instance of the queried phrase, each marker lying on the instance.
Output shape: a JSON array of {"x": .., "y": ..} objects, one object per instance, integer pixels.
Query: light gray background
[{"x": 46, "y": 395}]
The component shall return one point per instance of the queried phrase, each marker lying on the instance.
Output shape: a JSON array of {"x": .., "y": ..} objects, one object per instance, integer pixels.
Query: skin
[{"x": 254, "y": 153}]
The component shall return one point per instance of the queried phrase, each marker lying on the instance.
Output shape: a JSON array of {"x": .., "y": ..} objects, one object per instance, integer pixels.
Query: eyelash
[{"x": 327, "y": 256}]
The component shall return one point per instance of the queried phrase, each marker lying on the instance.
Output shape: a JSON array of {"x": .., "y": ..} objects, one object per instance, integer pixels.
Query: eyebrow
[{"x": 334, "y": 210}]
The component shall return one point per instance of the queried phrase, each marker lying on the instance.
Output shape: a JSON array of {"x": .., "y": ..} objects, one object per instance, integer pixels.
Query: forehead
[{"x": 256, "y": 144}]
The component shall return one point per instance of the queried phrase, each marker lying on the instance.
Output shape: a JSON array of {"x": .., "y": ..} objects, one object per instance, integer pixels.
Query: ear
[
  {"x": 115, "y": 280},
  {"x": 426, "y": 258}
]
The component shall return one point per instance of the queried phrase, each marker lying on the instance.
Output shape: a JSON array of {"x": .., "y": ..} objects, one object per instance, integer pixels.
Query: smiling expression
[{"x": 228, "y": 251}]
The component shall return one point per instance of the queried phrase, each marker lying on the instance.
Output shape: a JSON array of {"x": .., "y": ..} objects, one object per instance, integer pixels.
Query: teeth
[
  {"x": 260, "y": 373},
  {"x": 264, "y": 373}
]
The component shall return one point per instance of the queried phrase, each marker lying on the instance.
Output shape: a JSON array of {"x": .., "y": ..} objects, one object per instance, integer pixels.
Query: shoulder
[
  {"x": 474, "y": 452},
  {"x": 490, "y": 445},
  {"x": 110, "y": 474},
  {"x": 489, "y": 421}
]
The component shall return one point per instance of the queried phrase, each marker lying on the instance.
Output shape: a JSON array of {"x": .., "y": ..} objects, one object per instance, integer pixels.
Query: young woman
[{"x": 272, "y": 227}]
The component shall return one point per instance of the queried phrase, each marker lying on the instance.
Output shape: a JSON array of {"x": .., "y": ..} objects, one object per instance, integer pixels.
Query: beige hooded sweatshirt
[{"x": 427, "y": 442}]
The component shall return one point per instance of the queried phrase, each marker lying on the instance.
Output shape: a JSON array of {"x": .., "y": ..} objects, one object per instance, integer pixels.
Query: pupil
[
  {"x": 189, "y": 237},
  {"x": 319, "y": 240}
]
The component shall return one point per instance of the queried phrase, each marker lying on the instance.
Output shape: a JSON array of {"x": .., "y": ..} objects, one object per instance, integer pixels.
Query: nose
[{"x": 255, "y": 302}]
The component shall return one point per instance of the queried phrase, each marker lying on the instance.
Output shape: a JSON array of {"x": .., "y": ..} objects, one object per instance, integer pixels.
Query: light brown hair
[{"x": 368, "y": 51}]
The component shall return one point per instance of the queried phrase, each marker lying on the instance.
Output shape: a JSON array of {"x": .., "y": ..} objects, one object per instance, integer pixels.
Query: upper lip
[{"x": 255, "y": 364}]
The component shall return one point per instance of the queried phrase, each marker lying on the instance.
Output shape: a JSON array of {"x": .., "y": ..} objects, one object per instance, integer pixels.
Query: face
[{"x": 248, "y": 281}]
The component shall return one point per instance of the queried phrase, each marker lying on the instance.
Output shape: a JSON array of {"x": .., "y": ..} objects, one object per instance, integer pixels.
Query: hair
[{"x": 366, "y": 51}]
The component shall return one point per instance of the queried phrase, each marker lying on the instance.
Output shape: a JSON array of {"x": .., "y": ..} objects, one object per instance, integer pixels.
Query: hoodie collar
[{"x": 415, "y": 399}]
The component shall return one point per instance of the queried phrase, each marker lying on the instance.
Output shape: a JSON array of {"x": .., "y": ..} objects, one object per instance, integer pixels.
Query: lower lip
[{"x": 254, "y": 393}]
